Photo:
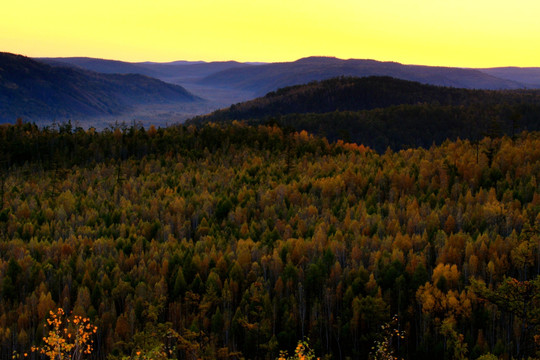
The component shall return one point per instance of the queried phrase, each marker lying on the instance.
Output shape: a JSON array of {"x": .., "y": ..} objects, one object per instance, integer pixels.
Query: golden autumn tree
[
  {"x": 69, "y": 338},
  {"x": 302, "y": 352}
]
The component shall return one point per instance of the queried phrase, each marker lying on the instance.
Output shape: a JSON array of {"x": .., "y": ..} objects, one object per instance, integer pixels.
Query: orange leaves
[
  {"x": 383, "y": 349},
  {"x": 68, "y": 338},
  {"x": 449, "y": 272},
  {"x": 365, "y": 211},
  {"x": 438, "y": 303},
  {"x": 353, "y": 147},
  {"x": 152, "y": 131},
  {"x": 302, "y": 352}
]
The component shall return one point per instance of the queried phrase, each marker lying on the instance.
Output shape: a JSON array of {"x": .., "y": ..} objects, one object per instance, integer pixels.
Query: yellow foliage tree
[
  {"x": 68, "y": 338},
  {"x": 302, "y": 352}
]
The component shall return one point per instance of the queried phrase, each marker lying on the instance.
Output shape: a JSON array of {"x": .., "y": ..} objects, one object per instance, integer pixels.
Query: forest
[
  {"x": 234, "y": 241},
  {"x": 382, "y": 112},
  {"x": 364, "y": 93},
  {"x": 410, "y": 126}
]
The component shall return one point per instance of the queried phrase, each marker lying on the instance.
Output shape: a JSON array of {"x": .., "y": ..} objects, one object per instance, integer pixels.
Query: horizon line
[{"x": 267, "y": 62}]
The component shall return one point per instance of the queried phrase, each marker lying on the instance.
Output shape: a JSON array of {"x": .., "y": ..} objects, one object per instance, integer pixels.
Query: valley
[{"x": 221, "y": 84}]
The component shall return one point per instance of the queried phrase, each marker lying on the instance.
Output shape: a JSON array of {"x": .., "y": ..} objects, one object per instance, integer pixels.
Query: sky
[{"x": 462, "y": 33}]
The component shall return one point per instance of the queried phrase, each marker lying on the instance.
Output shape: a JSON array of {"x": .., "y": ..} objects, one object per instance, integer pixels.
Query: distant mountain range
[
  {"x": 80, "y": 88},
  {"x": 184, "y": 73},
  {"x": 248, "y": 80},
  {"x": 36, "y": 91},
  {"x": 264, "y": 78},
  {"x": 530, "y": 77},
  {"x": 173, "y": 72}
]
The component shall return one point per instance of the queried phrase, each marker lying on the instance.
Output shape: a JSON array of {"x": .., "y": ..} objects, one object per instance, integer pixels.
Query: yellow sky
[{"x": 468, "y": 33}]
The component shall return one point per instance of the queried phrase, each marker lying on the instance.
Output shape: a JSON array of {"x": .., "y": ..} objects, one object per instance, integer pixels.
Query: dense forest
[
  {"x": 366, "y": 93},
  {"x": 234, "y": 241},
  {"x": 422, "y": 125},
  {"x": 382, "y": 112}
]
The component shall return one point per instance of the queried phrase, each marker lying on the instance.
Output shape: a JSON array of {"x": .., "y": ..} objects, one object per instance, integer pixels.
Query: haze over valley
[{"x": 201, "y": 87}]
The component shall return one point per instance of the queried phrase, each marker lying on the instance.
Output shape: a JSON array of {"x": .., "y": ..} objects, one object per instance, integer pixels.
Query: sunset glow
[{"x": 467, "y": 33}]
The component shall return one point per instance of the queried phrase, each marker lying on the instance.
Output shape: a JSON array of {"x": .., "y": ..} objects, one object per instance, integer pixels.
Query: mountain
[
  {"x": 184, "y": 73},
  {"x": 354, "y": 94},
  {"x": 529, "y": 76},
  {"x": 264, "y": 78},
  {"x": 37, "y": 91},
  {"x": 178, "y": 72},
  {"x": 231, "y": 82},
  {"x": 100, "y": 65},
  {"x": 174, "y": 72},
  {"x": 383, "y": 112}
]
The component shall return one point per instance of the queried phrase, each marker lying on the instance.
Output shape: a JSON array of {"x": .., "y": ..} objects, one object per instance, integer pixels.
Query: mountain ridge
[
  {"x": 224, "y": 83},
  {"x": 37, "y": 91},
  {"x": 269, "y": 77},
  {"x": 382, "y": 112},
  {"x": 172, "y": 72},
  {"x": 366, "y": 93},
  {"x": 526, "y": 75},
  {"x": 261, "y": 78},
  {"x": 230, "y": 82}
]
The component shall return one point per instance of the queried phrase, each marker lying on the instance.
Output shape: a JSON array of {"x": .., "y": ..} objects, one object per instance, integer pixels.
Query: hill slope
[
  {"x": 36, "y": 91},
  {"x": 353, "y": 94},
  {"x": 183, "y": 73},
  {"x": 99, "y": 65},
  {"x": 382, "y": 111},
  {"x": 529, "y": 76},
  {"x": 264, "y": 78}
]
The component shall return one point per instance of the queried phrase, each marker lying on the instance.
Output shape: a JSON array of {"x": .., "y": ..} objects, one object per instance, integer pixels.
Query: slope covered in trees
[
  {"x": 353, "y": 94},
  {"x": 243, "y": 240},
  {"x": 421, "y": 125},
  {"x": 382, "y": 111},
  {"x": 36, "y": 91}
]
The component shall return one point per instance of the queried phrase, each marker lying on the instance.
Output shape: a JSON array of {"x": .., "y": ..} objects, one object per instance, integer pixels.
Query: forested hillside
[
  {"x": 367, "y": 93},
  {"x": 383, "y": 112},
  {"x": 36, "y": 91},
  {"x": 241, "y": 240}
]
